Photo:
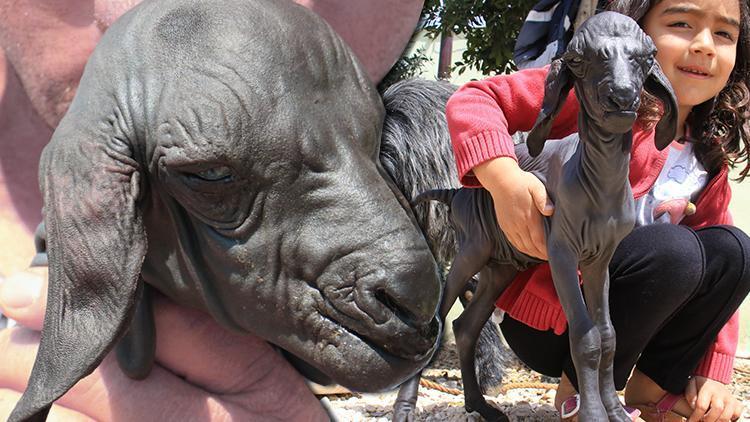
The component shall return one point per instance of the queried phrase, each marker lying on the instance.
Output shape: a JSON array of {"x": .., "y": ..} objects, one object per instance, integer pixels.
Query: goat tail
[{"x": 441, "y": 195}]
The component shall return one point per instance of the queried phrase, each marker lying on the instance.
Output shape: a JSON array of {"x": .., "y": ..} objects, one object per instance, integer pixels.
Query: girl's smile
[
  {"x": 699, "y": 72},
  {"x": 697, "y": 43}
]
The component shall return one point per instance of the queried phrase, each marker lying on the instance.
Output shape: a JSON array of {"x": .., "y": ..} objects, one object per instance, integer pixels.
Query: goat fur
[{"x": 416, "y": 152}]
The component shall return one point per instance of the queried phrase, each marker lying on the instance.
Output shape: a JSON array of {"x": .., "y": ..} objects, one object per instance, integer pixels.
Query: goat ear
[
  {"x": 657, "y": 84},
  {"x": 96, "y": 243},
  {"x": 558, "y": 84}
]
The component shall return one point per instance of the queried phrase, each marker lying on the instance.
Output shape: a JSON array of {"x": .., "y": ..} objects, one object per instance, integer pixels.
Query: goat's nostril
[
  {"x": 621, "y": 102},
  {"x": 401, "y": 312},
  {"x": 622, "y": 97}
]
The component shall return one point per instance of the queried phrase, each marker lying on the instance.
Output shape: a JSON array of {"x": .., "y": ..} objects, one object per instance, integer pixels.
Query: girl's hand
[
  {"x": 202, "y": 371},
  {"x": 520, "y": 202},
  {"x": 711, "y": 401}
]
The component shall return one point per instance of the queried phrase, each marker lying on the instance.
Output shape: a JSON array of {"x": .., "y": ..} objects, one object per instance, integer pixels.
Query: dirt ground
[{"x": 518, "y": 401}]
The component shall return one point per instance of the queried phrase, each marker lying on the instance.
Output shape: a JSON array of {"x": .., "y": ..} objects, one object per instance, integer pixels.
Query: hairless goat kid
[
  {"x": 608, "y": 61},
  {"x": 200, "y": 159}
]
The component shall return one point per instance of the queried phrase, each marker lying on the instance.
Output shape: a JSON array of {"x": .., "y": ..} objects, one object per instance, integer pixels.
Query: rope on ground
[
  {"x": 744, "y": 371},
  {"x": 529, "y": 384},
  {"x": 503, "y": 390},
  {"x": 435, "y": 386}
]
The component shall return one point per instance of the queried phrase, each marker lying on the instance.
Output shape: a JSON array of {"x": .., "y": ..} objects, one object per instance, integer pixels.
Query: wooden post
[
  {"x": 586, "y": 9},
  {"x": 444, "y": 60}
]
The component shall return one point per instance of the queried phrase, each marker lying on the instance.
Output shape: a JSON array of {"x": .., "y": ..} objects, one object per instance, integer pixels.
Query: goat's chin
[{"x": 619, "y": 121}]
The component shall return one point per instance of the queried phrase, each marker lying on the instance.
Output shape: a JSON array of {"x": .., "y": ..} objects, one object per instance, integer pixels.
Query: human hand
[
  {"x": 711, "y": 401},
  {"x": 520, "y": 203},
  {"x": 202, "y": 371}
]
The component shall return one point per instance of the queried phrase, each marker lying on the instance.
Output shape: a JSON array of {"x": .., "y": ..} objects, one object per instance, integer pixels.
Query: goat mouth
[
  {"x": 620, "y": 121},
  {"x": 395, "y": 337}
]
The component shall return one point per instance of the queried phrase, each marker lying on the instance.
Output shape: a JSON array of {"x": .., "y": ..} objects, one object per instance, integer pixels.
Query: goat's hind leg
[
  {"x": 492, "y": 355},
  {"x": 585, "y": 341},
  {"x": 596, "y": 290},
  {"x": 492, "y": 282}
]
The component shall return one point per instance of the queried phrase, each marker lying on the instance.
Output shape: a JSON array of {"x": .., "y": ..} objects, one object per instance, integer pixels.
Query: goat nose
[
  {"x": 623, "y": 97},
  {"x": 412, "y": 296}
]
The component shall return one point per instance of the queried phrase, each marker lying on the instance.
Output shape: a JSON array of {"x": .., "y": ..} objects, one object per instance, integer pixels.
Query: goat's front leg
[
  {"x": 468, "y": 262},
  {"x": 585, "y": 342},
  {"x": 492, "y": 282},
  {"x": 596, "y": 290}
]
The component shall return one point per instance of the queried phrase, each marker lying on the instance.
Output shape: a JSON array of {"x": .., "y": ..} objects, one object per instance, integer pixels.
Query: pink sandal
[
  {"x": 662, "y": 410},
  {"x": 570, "y": 407}
]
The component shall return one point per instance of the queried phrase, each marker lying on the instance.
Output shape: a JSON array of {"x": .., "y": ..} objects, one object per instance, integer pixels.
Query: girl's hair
[{"x": 721, "y": 125}]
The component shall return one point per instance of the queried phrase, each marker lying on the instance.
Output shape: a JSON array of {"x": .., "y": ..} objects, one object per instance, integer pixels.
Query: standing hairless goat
[{"x": 608, "y": 61}]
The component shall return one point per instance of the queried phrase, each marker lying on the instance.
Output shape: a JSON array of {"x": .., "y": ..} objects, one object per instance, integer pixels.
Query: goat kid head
[{"x": 609, "y": 61}]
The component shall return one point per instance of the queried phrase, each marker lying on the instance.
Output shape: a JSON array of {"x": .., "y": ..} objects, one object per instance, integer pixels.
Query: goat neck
[{"x": 602, "y": 155}]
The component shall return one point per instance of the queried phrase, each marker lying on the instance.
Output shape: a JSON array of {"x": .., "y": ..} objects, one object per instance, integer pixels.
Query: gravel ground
[{"x": 520, "y": 404}]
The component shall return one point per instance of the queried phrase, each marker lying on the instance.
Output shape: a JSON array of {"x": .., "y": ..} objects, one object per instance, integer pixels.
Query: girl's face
[{"x": 697, "y": 43}]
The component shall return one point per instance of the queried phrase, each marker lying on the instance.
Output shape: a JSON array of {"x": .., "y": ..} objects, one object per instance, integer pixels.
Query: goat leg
[
  {"x": 585, "y": 341},
  {"x": 468, "y": 262},
  {"x": 596, "y": 290},
  {"x": 491, "y": 354},
  {"x": 492, "y": 282},
  {"x": 406, "y": 400}
]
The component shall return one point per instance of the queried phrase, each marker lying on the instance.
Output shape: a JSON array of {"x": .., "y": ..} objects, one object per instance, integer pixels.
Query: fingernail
[
  {"x": 549, "y": 207},
  {"x": 19, "y": 291}
]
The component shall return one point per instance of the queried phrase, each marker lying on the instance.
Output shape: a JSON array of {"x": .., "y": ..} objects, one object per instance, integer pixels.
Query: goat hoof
[
  {"x": 489, "y": 413},
  {"x": 621, "y": 415},
  {"x": 403, "y": 413}
]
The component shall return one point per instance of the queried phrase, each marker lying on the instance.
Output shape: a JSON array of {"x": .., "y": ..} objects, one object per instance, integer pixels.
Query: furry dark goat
[
  {"x": 416, "y": 152},
  {"x": 608, "y": 61}
]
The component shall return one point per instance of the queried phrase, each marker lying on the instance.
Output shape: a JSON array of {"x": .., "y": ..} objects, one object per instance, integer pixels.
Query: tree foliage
[{"x": 490, "y": 28}]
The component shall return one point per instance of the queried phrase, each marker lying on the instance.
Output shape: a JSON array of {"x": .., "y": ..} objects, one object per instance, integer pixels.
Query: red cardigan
[{"x": 482, "y": 115}]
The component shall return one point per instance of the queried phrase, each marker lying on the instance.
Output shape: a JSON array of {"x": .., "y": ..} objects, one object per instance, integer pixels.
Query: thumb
[
  {"x": 542, "y": 202},
  {"x": 691, "y": 393},
  {"x": 23, "y": 297}
]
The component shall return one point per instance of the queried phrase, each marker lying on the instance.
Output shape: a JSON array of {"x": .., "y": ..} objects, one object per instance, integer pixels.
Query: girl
[{"x": 674, "y": 288}]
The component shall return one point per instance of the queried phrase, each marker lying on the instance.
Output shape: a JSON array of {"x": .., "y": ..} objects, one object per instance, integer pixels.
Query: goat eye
[
  {"x": 214, "y": 174},
  {"x": 648, "y": 63}
]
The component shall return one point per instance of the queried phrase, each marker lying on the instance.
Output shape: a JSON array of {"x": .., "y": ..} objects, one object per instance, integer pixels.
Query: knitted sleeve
[{"x": 482, "y": 116}]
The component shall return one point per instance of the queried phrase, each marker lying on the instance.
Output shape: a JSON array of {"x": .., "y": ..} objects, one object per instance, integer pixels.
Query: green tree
[{"x": 489, "y": 26}]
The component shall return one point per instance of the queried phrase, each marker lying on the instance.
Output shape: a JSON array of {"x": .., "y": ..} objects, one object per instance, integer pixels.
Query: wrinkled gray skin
[
  {"x": 608, "y": 61},
  {"x": 234, "y": 169}
]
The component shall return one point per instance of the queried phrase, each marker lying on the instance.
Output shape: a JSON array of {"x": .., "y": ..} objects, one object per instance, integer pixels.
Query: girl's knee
[
  {"x": 728, "y": 252},
  {"x": 672, "y": 249}
]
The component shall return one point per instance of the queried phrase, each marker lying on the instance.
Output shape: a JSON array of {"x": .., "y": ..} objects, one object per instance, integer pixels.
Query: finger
[
  {"x": 9, "y": 398},
  {"x": 23, "y": 297},
  {"x": 739, "y": 409},
  {"x": 691, "y": 392},
  {"x": 541, "y": 200},
  {"x": 715, "y": 410},
  {"x": 107, "y": 393},
  {"x": 193, "y": 345},
  {"x": 729, "y": 408},
  {"x": 520, "y": 237},
  {"x": 536, "y": 234},
  {"x": 526, "y": 245},
  {"x": 701, "y": 407},
  {"x": 516, "y": 235}
]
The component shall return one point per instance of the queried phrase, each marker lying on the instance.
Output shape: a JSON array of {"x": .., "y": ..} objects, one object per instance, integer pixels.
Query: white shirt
[{"x": 681, "y": 180}]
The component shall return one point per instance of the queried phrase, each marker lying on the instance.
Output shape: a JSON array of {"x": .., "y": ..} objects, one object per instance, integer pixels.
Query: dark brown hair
[{"x": 721, "y": 125}]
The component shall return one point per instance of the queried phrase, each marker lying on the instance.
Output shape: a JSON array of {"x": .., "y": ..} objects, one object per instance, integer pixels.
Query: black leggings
[{"x": 672, "y": 289}]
